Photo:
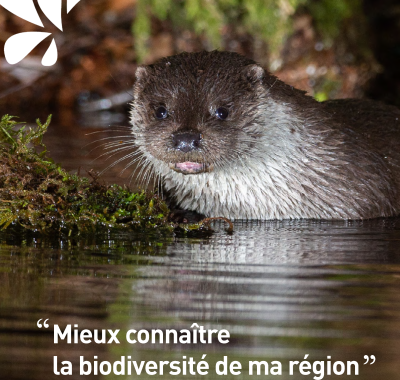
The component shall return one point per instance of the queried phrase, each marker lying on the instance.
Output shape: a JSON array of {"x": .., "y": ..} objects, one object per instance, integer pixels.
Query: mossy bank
[{"x": 40, "y": 195}]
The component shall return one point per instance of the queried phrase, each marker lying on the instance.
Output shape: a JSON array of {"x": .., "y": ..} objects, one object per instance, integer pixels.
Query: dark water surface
[{"x": 282, "y": 289}]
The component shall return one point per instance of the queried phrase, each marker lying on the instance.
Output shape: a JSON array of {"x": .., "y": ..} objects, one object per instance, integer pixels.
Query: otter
[{"x": 229, "y": 139}]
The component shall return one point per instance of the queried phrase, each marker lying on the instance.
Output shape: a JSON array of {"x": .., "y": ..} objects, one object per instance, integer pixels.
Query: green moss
[
  {"x": 38, "y": 194},
  {"x": 329, "y": 15},
  {"x": 267, "y": 20}
]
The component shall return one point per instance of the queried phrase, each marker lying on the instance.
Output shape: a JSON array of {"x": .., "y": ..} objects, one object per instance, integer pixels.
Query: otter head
[{"x": 197, "y": 112}]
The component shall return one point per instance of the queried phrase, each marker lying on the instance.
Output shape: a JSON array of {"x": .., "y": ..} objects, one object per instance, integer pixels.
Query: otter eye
[
  {"x": 161, "y": 113},
  {"x": 221, "y": 113}
]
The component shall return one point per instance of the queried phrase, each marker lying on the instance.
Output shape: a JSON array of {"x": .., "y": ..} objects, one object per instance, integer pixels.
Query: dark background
[{"x": 331, "y": 49}]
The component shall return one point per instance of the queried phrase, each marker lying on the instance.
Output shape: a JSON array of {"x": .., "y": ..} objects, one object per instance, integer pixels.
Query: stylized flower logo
[{"x": 18, "y": 46}]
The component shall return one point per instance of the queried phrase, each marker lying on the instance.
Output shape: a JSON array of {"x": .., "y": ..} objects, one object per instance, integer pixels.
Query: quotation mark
[
  {"x": 366, "y": 357},
  {"x": 18, "y": 46},
  {"x": 45, "y": 325}
]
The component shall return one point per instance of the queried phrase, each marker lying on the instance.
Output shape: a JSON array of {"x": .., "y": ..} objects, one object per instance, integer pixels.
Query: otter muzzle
[{"x": 191, "y": 167}]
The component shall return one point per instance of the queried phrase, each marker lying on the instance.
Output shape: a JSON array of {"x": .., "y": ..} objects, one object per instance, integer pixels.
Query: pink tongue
[{"x": 189, "y": 166}]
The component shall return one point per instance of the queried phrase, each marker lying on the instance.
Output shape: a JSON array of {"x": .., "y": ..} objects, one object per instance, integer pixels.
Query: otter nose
[{"x": 186, "y": 142}]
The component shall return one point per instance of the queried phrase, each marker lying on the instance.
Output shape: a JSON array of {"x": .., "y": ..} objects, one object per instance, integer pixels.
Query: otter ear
[
  {"x": 141, "y": 73},
  {"x": 254, "y": 73}
]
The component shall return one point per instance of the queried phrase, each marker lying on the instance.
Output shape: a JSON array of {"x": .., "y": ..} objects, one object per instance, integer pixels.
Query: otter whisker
[
  {"x": 114, "y": 153},
  {"x": 146, "y": 166},
  {"x": 130, "y": 163},
  {"x": 148, "y": 174},
  {"x": 132, "y": 154},
  {"x": 141, "y": 158},
  {"x": 129, "y": 155},
  {"x": 114, "y": 147},
  {"x": 109, "y": 138},
  {"x": 110, "y": 129},
  {"x": 107, "y": 146}
]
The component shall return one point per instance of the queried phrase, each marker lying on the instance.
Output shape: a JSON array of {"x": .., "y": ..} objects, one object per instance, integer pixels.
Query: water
[{"x": 282, "y": 289}]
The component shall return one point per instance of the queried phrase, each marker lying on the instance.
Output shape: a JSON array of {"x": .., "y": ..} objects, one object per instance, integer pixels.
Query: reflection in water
[{"x": 283, "y": 290}]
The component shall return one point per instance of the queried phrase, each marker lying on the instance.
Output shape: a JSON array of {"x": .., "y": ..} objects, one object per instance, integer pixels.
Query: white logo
[{"x": 18, "y": 46}]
